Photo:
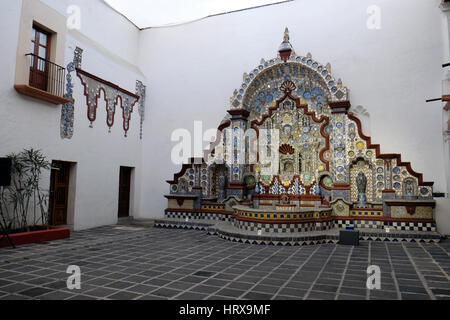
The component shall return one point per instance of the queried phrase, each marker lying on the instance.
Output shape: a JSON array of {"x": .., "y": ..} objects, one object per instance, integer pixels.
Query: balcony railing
[{"x": 46, "y": 75}]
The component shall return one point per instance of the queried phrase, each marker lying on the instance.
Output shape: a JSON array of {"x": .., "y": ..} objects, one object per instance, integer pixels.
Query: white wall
[
  {"x": 110, "y": 47},
  {"x": 444, "y": 219},
  {"x": 104, "y": 26},
  {"x": 193, "y": 69}
]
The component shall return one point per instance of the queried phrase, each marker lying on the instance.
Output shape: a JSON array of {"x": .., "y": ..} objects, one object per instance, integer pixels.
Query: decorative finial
[
  {"x": 286, "y": 35},
  {"x": 285, "y": 48}
]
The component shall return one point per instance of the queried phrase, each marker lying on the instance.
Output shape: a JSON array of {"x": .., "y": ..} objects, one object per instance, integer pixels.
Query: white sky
[{"x": 160, "y": 13}]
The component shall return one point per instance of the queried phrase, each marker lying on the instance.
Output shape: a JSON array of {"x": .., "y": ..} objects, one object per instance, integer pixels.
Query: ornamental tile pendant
[
  {"x": 93, "y": 86},
  {"x": 110, "y": 98},
  {"x": 67, "y": 111},
  {"x": 127, "y": 109},
  {"x": 92, "y": 92},
  {"x": 141, "y": 92}
]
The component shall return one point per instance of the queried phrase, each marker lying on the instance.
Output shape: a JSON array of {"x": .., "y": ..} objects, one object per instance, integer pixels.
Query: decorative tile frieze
[{"x": 113, "y": 94}]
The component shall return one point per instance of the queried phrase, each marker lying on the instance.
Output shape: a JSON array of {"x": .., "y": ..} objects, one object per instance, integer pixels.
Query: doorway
[
  {"x": 39, "y": 64},
  {"x": 124, "y": 191},
  {"x": 59, "y": 192}
]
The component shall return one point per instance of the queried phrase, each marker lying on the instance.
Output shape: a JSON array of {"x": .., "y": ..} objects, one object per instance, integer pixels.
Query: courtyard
[{"x": 136, "y": 263}]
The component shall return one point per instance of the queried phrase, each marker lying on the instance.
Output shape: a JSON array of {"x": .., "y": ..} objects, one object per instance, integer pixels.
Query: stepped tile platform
[
  {"x": 229, "y": 232},
  {"x": 195, "y": 224},
  {"x": 226, "y": 230}
]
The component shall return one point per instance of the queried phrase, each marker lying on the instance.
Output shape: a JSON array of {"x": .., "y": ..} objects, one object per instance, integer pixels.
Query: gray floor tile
[
  {"x": 240, "y": 285},
  {"x": 410, "y": 289},
  {"x": 293, "y": 292},
  {"x": 321, "y": 295},
  {"x": 384, "y": 295},
  {"x": 57, "y": 295},
  {"x": 206, "y": 289},
  {"x": 100, "y": 292},
  {"x": 15, "y": 297},
  {"x": 287, "y": 298},
  {"x": 353, "y": 291},
  {"x": 350, "y": 297},
  {"x": 81, "y": 297},
  {"x": 217, "y": 282},
  {"x": 165, "y": 292},
  {"x": 412, "y": 296},
  {"x": 151, "y": 297},
  {"x": 257, "y": 296},
  {"x": 35, "y": 292},
  {"x": 138, "y": 264},
  {"x": 16, "y": 287},
  {"x": 219, "y": 298},
  {"x": 121, "y": 285},
  {"x": 230, "y": 293},
  {"x": 191, "y": 296},
  {"x": 142, "y": 289},
  {"x": 124, "y": 295},
  {"x": 266, "y": 289}
]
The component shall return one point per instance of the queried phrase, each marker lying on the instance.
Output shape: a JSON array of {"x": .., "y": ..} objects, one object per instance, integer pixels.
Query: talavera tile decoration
[
  {"x": 68, "y": 109},
  {"x": 328, "y": 174},
  {"x": 93, "y": 89}
]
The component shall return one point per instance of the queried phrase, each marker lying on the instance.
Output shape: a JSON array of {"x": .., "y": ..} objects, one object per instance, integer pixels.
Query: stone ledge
[{"x": 40, "y": 94}]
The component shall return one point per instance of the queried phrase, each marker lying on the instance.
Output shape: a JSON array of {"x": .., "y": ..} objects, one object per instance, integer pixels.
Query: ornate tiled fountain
[{"x": 291, "y": 166}]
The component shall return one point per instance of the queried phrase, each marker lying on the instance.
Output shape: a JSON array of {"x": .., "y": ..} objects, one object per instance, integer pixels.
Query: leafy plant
[{"x": 24, "y": 204}]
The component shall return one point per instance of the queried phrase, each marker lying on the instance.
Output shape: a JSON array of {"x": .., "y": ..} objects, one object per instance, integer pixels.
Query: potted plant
[{"x": 24, "y": 205}]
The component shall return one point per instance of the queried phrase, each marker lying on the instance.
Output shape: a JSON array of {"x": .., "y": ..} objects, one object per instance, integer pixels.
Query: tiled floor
[{"x": 120, "y": 262}]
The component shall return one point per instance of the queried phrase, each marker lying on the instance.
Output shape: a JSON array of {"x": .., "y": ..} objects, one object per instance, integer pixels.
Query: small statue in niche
[
  {"x": 305, "y": 122},
  {"x": 409, "y": 188},
  {"x": 287, "y": 131},
  {"x": 308, "y": 165},
  {"x": 257, "y": 187},
  {"x": 361, "y": 183},
  {"x": 257, "y": 179},
  {"x": 287, "y": 106},
  {"x": 288, "y": 167},
  {"x": 183, "y": 187},
  {"x": 325, "y": 202},
  {"x": 285, "y": 199}
]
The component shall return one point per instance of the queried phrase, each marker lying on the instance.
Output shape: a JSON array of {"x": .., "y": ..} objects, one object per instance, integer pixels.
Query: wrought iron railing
[{"x": 46, "y": 75}]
